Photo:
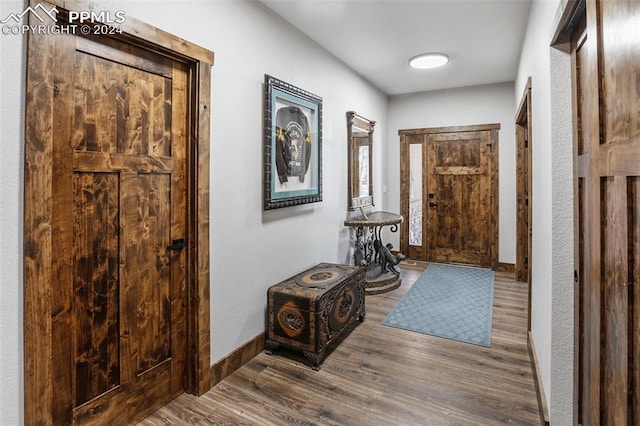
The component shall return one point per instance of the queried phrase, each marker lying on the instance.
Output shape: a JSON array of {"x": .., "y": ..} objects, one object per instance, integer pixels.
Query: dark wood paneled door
[
  {"x": 449, "y": 194},
  {"x": 605, "y": 50},
  {"x": 459, "y": 197},
  {"x": 120, "y": 211},
  {"x": 524, "y": 208}
]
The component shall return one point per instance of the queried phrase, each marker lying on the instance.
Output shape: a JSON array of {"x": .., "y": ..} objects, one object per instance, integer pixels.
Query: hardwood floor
[{"x": 380, "y": 375}]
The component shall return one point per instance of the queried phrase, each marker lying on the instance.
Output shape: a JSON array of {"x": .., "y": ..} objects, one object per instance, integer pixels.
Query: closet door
[
  {"x": 116, "y": 277},
  {"x": 120, "y": 201},
  {"x": 607, "y": 98}
]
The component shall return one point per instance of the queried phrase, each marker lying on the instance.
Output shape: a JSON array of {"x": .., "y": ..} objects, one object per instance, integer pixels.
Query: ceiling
[{"x": 376, "y": 38}]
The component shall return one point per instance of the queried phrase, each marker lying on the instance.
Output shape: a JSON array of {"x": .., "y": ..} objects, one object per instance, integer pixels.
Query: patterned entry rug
[{"x": 455, "y": 302}]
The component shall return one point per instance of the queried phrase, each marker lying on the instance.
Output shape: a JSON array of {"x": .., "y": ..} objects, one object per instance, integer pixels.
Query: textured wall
[{"x": 562, "y": 308}]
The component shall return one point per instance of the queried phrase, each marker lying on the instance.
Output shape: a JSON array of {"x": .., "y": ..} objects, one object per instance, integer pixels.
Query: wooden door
[
  {"x": 605, "y": 50},
  {"x": 449, "y": 193},
  {"x": 119, "y": 199},
  {"x": 120, "y": 190},
  {"x": 459, "y": 215},
  {"x": 116, "y": 168}
]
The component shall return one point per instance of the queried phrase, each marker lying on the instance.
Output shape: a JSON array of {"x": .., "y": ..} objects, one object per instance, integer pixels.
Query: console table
[{"x": 382, "y": 274}]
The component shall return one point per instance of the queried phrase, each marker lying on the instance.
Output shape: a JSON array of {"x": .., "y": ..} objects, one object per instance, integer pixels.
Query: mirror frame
[{"x": 355, "y": 120}]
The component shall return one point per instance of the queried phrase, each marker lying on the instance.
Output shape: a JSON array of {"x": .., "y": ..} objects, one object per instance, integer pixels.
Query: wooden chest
[{"x": 308, "y": 311}]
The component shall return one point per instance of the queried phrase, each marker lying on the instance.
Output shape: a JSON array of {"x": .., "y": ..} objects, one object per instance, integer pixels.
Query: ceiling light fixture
[{"x": 427, "y": 61}]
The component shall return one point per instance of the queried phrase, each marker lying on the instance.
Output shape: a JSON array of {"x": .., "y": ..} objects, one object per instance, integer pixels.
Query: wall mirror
[{"x": 360, "y": 142}]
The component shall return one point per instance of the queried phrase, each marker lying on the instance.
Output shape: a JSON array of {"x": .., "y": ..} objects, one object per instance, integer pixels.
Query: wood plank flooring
[{"x": 380, "y": 375}]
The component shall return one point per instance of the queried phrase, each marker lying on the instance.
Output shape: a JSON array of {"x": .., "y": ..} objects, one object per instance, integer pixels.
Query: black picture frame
[{"x": 292, "y": 145}]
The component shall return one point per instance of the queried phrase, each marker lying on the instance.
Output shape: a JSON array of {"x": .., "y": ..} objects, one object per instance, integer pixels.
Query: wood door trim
[
  {"x": 450, "y": 129},
  {"x": 39, "y": 283},
  {"x": 495, "y": 195},
  {"x": 543, "y": 409},
  {"x": 525, "y": 102},
  {"x": 524, "y": 115},
  {"x": 567, "y": 19}
]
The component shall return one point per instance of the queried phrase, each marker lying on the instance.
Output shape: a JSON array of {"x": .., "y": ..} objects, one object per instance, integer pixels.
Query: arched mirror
[{"x": 360, "y": 142}]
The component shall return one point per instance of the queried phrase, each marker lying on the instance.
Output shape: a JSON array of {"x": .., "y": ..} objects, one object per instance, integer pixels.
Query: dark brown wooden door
[
  {"x": 449, "y": 194},
  {"x": 120, "y": 201},
  {"x": 459, "y": 195},
  {"x": 606, "y": 48}
]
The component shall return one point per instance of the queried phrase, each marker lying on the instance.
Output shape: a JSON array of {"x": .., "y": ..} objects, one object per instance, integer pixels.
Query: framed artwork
[{"x": 292, "y": 145}]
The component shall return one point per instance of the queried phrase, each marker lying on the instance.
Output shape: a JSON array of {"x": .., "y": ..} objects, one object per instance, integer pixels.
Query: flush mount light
[{"x": 428, "y": 60}]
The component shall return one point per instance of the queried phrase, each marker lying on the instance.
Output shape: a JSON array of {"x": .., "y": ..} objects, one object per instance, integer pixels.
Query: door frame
[
  {"x": 39, "y": 277},
  {"x": 524, "y": 188},
  {"x": 404, "y": 186}
]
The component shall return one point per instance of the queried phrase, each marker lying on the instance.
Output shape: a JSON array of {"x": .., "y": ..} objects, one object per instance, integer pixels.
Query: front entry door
[
  {"x": 120, "y": 212},
  {"x": 449, "y": 194},
  {"x": 459, "y": 197}
]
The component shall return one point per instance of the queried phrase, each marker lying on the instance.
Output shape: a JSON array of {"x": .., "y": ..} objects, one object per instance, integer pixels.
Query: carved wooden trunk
[{"x": 308, "y": 311}]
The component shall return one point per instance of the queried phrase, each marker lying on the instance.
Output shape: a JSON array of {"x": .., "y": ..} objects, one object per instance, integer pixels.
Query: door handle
[
  {"x": 432, "y": 204},
  {"x": 177, "y": 245}
]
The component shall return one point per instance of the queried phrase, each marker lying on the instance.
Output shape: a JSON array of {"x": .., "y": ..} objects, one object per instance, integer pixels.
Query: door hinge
[
  {"x": 526, "y": 202},
  {"x": 526, "y": 261},
  {"x": 526, "y": 143},
  {"x": 575, "y": 275}
]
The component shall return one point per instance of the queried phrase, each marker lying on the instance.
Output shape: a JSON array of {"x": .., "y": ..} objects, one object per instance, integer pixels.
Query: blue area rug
[{"x": 455, "y": 302}]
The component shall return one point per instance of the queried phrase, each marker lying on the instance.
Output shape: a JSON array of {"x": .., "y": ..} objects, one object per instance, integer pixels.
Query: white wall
[
  {"x": 456, "y": 107},
  {"x": 11, "y": 213},
  {"x": 552, "y": 264},
  {"x": 250, "y": 250}
]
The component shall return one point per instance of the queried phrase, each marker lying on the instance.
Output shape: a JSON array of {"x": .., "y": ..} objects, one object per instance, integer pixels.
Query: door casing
[
  {"x": 39, "y": 285},
  {"x": 524, "y": 217}
]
